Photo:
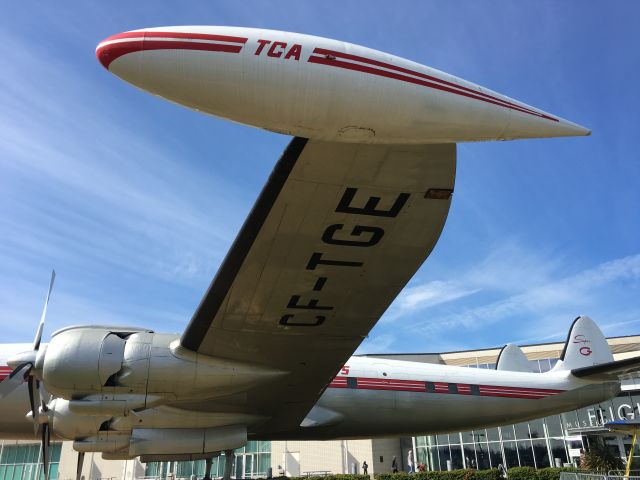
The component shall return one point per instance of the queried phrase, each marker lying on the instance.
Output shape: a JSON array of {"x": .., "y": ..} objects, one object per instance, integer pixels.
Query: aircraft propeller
[{"x": 24, "y": 367}]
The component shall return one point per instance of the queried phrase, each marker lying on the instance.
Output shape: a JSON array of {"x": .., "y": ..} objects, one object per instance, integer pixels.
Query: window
[
  {"x": 536, "y": 428},
  {"x": 444, "y": 455},
  {"x": 453, "y": 388},
  {"x": 554, "y": 426},
  {"x": 482, "y": 455},
  {"x": 467, "y": 437},
  {"x": 493, "y": 435},
  {"x": 21, "y": 462},
  {"x": 251, "y": 461},
  {"x": 352, "y": 382},
  {"x": 470, "y": 456},
  {"x": 475, "y": 389},
  {"x": 526, "y": 454},
  {"x": 511, "y": 455},
  {"x": 541, "y": 453},
  {"x": 495, "y": 454},
  {"x": 430, "y": 386},
  {"x": 507, "y": 433},
  {"x": 522, "y": 431},
  {"x": 535, "y": 366},
  {"x": 545, "y": 365},
  {"x": 558, "y": 450},
  {"x": 456, "y": 457}
]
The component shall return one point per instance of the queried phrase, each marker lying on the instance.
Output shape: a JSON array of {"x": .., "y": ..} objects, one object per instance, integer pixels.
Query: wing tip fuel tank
[{"x": 318, "y": 88}]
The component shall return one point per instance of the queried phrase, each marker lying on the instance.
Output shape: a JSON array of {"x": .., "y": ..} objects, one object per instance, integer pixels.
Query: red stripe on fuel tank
[
  {"x": 330, "y": 58},
  {"x": 194, "y": 36},
  {"x": 112, "y": 51}
]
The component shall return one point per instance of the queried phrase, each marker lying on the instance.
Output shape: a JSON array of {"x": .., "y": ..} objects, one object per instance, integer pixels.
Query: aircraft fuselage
[{"x": 374, "y": 397}]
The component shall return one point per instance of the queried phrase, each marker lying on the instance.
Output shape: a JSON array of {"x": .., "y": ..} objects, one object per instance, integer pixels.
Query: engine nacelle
[
  {"x": 169, "y": 442},
  {"x": 106, "y": 371},
  {"x": 70, "y": 426},
  {"x": 80, "y": 361},
  {"x": 174, "y": 441}
]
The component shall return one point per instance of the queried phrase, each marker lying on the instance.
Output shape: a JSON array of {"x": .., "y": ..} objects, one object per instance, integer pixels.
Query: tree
[{"x": 599, "y": 459}]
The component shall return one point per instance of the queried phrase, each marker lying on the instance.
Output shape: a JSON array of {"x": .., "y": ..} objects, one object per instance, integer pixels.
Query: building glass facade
[
  {"x": 250, "y": 461},
  {"x": 546, "y": 442},
  {"x": 23, "y": 461},
  {"x": 535, "y": 443}
]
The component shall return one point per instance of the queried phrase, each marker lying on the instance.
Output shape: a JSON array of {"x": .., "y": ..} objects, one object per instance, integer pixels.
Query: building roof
[{"x": 622, "y": 347}]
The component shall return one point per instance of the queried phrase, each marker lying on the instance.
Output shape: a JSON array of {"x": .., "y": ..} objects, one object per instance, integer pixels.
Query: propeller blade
[
  {"x": 79, "y": 466},
  {"x": 15, "y": 379},
  {"x": 46, "y": 440},
  {"x": 32, "y": 401},
  {"x": 36, "y": 341}
]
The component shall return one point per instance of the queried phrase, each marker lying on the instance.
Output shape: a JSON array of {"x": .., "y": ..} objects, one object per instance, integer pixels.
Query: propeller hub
[{"x": 41, "y": 419}]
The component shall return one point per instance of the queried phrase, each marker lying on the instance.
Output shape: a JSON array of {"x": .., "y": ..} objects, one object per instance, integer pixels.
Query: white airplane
[{"x": 352, "y": 209}]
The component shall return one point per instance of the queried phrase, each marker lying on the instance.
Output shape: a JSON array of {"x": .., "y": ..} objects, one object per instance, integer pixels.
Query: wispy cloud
[
  {"x": 423, "y": 297},
  {"x": 514, "y": 294},
  {"x": 379, "y": 344},
  {"x": 546, "y": 301},
  {"x": 507, "y": 269},
  {"x": 120, "y": 212},
  {"x": 88, "y": 175},
  {"x": 135, "y": 201}
]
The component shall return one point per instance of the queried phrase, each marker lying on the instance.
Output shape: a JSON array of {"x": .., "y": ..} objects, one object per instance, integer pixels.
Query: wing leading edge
[{"x": 336, "y": 233}]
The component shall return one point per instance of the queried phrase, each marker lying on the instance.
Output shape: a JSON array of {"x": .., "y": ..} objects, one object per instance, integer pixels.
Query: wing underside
[{"x": 336, "y": 233}]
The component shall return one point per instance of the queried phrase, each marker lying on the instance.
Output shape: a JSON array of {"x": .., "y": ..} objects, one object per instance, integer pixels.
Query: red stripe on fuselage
[
  {"x": 5, "y": 371},
  {"x": 364, "y": 383}
]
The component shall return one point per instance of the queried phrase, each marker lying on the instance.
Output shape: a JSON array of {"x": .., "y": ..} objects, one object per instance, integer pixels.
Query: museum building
[{"x": 550, "y": 441}]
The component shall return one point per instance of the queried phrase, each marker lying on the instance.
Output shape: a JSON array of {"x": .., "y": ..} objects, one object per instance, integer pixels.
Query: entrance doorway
[{"x": 246, "y": 465}]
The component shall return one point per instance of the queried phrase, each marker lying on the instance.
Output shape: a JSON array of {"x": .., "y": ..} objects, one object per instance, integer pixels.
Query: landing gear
[
  {"x": 79, "y": 465},
  {"x": 228, "y": 464}
]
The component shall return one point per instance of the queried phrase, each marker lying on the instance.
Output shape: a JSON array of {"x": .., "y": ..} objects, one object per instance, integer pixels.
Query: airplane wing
[{"x": 336, "y": 233}]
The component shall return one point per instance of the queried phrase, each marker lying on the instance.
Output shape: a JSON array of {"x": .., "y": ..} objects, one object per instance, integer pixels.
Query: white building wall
[
  {"x": 335, "y": 456},
  {"x": 94, "y": 467},
  {"x": 386, "y": 448}
]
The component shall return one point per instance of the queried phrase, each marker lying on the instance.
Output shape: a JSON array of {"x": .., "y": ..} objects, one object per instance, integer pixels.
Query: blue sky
[{"x": 135, "y": 201}]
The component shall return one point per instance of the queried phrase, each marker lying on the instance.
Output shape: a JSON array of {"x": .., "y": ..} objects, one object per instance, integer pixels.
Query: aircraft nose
[{"x": 118, "y": 45}]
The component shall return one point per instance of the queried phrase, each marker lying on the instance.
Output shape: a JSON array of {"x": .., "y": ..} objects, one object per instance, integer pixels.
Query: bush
[
  {"x": 514, "y": 473},
  {"x": 530, "y": 473},
  {"x": 522, "y": 473},
  {"x": 553, "y": 473},
  {"x": 338, "y": 476},
  {"x": 468, "y": 474},
  {"x": 492, "y": 474}
]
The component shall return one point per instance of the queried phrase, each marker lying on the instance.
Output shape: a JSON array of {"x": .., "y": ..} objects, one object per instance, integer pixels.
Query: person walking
[
  {"x": 365, "y": 468},
  {"x": 410, "y": 461},
  {"x": 394, "y": 465}
]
